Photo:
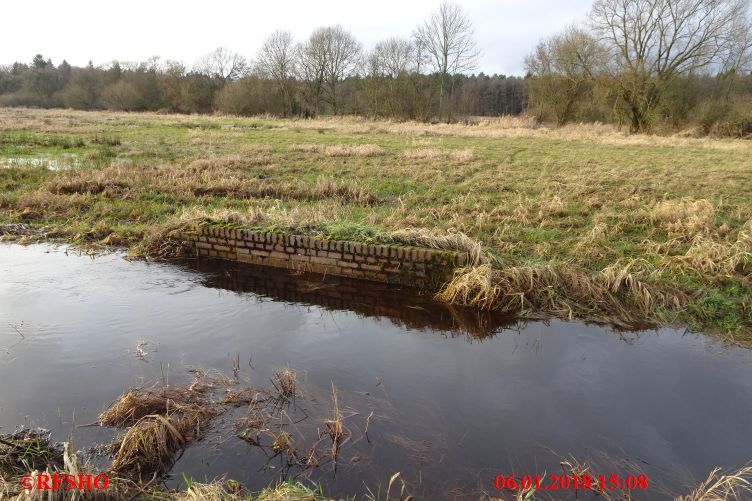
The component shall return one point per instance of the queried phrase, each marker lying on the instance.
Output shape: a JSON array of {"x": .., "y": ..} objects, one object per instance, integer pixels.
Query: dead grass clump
[
  {"x": 436, "y": 154},
  {"x": 167, "y": 240},
  {"x": 149, "y": 446},
  {"x": 107, "y": 181},
  {"x": 687, "y": 217},
  {"x": 708, "y": 255},
  {"x": 285, "y": 382},
  {"x": 733, "y": 486},
  {"x": 160, "y": 420},
  {"x": 639, "y": 294},
  {"x": 137, "y": 403},
  {"x": 452, "y": 241},
  {"x": 341, "y": 150},
  {"x": 307, "y": 148},
  {"x": 348, "y": 192},
  {"x": 360, "y": 150},
  {"x": 560, "y": 291},
  {"x": 335, "y": 426}
]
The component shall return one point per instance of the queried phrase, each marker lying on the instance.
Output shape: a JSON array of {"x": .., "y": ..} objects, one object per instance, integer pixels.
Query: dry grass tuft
[
  {"x": 435, "y": 154},
  {"x": 341, "y": 150},
  {"x": 686, "y": 217},
  {"x": 614, "y": 296},
  {"x": 452, "y": 241},
  {"x": 734, "y": 486},
  {"x": 166, "y": 240},
  {"x": 111, "y": 181},
  {"x": 149, "y": 446},
  {"x": 285, "y": 382},
  {"x": 708, "y": 255},
  {"x": 335, "y": 426},
  {"x": 160, "y": 421}
]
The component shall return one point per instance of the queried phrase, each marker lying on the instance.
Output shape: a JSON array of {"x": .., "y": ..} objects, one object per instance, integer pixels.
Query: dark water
[{"x": 457, "y": 397}]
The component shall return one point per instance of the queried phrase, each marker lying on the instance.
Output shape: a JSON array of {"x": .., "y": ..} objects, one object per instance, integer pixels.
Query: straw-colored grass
[
  {"x": 686, "y": 217},
  {"x": 341, "y": 150},
  {"x": 452, "y": 241},
  {"x": 436, "y": 154},
  {"x": 719, "y": 486},
  {"x": 615, "y": 295}
]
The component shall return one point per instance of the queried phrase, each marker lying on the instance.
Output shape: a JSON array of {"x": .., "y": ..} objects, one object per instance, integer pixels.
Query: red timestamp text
[{"x": 571, "y": 482}]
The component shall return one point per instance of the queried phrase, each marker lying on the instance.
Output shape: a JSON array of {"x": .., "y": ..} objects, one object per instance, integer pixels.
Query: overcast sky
[{"x": 135, "y": 30}]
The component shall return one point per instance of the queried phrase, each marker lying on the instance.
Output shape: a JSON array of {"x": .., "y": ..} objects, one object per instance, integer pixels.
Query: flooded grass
[{"x": 26, "y": 450}]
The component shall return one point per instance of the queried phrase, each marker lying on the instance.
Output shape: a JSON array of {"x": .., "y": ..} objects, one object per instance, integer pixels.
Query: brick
[
  {"x": 300, "y": 258},
  {"x": 346, "y": 264},
  {"x": 370, "y": 267},
  {"x": 370, "y": 259},
  {"x": 290, "y": 250},
  {"x": 247, "y": 258},
  {"x": 278, "y": 255},
  {"x": 335, "y": 255},
  {"x": 323, "y": 260},
  {"x": 259, "y": 253},
  {"x": 203, "y": 245},
  {"x": 379, "y": 277},
  {"x": 348, "y": 257},
  {"x": 220, "y": 247},
  {"x": 243, "y": 251}
]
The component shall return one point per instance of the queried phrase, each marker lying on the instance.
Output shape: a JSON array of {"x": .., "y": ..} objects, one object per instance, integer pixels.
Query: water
[
  {"x": 457, "y": 397},
  {"x": 64, "y": 162}
]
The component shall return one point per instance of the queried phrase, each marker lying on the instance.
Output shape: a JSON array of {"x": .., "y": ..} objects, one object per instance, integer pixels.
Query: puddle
[
  {"x": 457, "y": 397},
  {"x": 58, "y": 163}
]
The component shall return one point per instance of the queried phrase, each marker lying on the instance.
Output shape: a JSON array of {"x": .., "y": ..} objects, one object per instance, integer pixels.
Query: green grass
[{"x": 583, "y": 197}]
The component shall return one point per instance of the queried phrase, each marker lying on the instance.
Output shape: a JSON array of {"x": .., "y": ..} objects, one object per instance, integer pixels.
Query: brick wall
[{"x": 410, "y": 266}]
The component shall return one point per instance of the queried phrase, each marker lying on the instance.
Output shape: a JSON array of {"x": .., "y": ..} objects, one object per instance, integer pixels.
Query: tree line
[{"x": 643, "y": 64}]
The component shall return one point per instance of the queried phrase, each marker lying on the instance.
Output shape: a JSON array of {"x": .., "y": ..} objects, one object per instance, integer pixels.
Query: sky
[{"x": 136, "y": 30}]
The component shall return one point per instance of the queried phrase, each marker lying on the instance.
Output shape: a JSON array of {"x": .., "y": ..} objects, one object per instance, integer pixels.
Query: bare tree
[
  {"x": 330, "y": 55},
  {"x": 564, "y": 67},
  {"x": 312, "y": 60},
  {"x": 390, "y": 67},
  {"x": 344, "y": 54},
  {"x": 222, "y": 64},
  {"x": 276, "y": 60},
  {"x": 395, "y": 56},
  {"x": 655, "y": 41},
  {"x": 447, "y": 38}
]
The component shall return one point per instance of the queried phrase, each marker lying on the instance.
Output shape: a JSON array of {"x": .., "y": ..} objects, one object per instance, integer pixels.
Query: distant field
[{"x": 663, "y": 224}]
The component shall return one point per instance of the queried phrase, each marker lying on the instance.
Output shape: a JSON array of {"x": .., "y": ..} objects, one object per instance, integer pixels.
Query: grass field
[{"x": 583, "y": 221}]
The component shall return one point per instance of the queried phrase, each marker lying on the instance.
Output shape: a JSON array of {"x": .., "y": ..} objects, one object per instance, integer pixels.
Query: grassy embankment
[{"x": 578, "y": 222}]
